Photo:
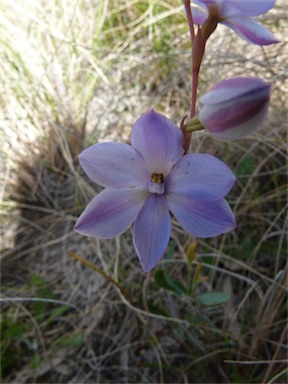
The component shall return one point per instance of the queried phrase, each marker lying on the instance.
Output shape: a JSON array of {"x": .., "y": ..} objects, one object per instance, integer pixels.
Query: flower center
[{"x": 156, "y": 184}]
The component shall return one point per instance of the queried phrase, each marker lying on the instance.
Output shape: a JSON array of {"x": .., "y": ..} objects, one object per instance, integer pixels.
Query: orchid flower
[
  {"x": 236, "y": 14},
  {"x": 149, "y": 178},
  {"x": 233, "y": 108}
]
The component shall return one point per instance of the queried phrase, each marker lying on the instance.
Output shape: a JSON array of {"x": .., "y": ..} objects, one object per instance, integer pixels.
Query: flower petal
[
  {"x": 239, "y": 8},
  {"x": 250, "y": 30},
  {"x": 115, "y": 165},
  {"x": 251, "y": 8},
  {"x": 228, "y": 89},
  {"x": 243, "y": 127},
  {"x": 200, "y": 177},
  {"x": 201, "y": 218},
  {"x": 235, "y": 107},
  {"x": 208, "y": 3},
  {"x": 111, "y": 212},
  {"x": 152, "y": 231},
  {"x": 198, "y": 15},
  {"x": 223, "y": 7},
  {"x": 158, "y": 140}
]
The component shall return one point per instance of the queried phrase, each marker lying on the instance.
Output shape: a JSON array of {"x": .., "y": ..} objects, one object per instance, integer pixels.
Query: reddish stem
[
  {"x": 188, "y": 136},
  {"x": 198, "y": 50},
  {"x": 194, "y": 74},
  {"x": 190, "y": 19}
]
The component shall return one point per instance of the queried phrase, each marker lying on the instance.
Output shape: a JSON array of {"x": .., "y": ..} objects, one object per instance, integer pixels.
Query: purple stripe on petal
[
  {"x": 151, "y": 231},
  {"x": 200, "y": 177},
  {"x": 250, "y": 30},
  {"x": 202, "y": 218},
  {"x": 228, "y": 89},
  {"x": 115, "y": 165},
  {"x": 230, "y": 115},
  {"x": 244, "y": 129},
  {"x": 111, "y": 212},
  {"x": 158, "y": 140}
]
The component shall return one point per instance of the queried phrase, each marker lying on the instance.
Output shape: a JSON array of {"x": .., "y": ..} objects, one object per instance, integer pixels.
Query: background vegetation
[{"x": 78, "y": 72}]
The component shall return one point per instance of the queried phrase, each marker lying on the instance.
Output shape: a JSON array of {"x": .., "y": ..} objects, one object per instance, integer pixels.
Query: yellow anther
[{"x": 157, "y": 178}]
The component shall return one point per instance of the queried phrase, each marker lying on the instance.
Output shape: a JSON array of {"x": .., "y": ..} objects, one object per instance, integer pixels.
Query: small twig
[
  {"x": 145, "y": 290},
  {"x": 37, "y": 299},
  {"x": 102, "y": 273},
  {"x": 123, "y": 293}
]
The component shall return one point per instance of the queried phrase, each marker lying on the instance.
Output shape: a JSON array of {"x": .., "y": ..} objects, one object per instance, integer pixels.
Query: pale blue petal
[
  {"x": 198, "y": 15},
  {"x": 159, "y": 141},
  {"x": 246, "y": 125},
  {"x": 207, "y": 3},
  {"x": 111, "y": 212},
  {"x": 152, "y": 231},
  {"x": 115, "y": 165},
  {"x": 223, "y": 7},
  {"x": 235, "y": 87},
  {"x": 251, "y": 8},
  {"x": 201, "y": 218},
  {"x": 250, "y": 30},
  {"x": 239, "y": 8},
  {"x": 200, "y": 177}
]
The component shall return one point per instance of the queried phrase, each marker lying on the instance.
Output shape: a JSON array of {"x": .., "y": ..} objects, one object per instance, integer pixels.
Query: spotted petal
[
  {"x": 152, "y": 231},
  {"x": 250, "y": 30},
  {"x": 111, "y": 212},
  {"x": 158, "y": 140},
  {"x": 115, "y": 165},
  {"x": 200, "y": 177},
  {"x": 201, "y": 218}
]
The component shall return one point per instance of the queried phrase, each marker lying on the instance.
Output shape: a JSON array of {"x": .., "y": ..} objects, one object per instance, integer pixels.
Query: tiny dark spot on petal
[{"x": 186, "y": 173}]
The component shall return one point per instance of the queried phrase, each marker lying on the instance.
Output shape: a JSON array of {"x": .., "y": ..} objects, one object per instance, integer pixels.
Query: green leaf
[
  {"x": 166, "y": 282},
  {"x": 37, "y": 281},
  {"x": 245, "y": 167},
  {"x": 212, "y": 298},
  {"x": 35, "y": 361},
  {"x": 196, "y": 320},
  {"x": 74, "y": 340},
  {"x": 14, "y": 331},
  {"x": 157, "y": 310},
  {"x": 58, "y": 311},
  {"x": 170, "y": 251}
]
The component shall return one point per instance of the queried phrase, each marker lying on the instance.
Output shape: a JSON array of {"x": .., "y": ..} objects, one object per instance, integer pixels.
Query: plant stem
[
  {"x": 194, "y": 73},
  {"x": 190, "y": 19}
]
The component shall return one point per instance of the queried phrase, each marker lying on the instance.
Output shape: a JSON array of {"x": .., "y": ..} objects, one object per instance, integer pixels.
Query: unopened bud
[{"x": 235, "y": 107}]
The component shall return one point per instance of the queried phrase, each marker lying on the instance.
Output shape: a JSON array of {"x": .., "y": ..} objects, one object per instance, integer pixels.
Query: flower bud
[{"x": 235, "y": 107}]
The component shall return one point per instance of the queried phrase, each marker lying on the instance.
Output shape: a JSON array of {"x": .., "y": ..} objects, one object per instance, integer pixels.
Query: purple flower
[
  {"x": 146, "y": 180},
  {"x": 236, "y": 14},
  {"x": 235, "y": 107}
]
